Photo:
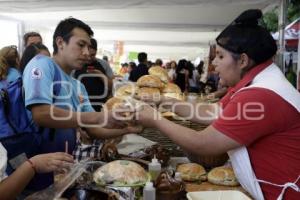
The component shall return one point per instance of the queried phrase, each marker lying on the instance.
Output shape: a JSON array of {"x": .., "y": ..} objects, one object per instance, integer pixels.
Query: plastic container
[
  {"x": 149, "y": 191},
  {"x": 154, "y": 168},
  {"x": 220, "y": 195},
  {"x": 178, "y": 176}
]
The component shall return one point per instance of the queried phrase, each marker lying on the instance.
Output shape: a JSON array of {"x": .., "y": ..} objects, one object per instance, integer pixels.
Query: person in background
[
  {"x": 290, "y": 74},
  {"x": 159, "y": 62},
  {"x": 200, "y": 70},
  {"x": 141, "y": 69},
  {"x": 131, "y": 66},
  {"x": 98, "y": 88},
  {"x": 31, "y": 51},
  {"x": 108, "y": 70},
  {"x": 13, "y": 185},
  {"x": 182, "y": 76},
  {"x": 105, "y": 58},
  {"x": 150, "y": 64},
  {"x": 9, "y": 64},
  {"x": 172, "y": 71},
  {"x": 257, "y": 122},
  {"x": 193, "y": 74},
  {"x": 32, "y": 38},
  {"x": 124, "y": 69}
]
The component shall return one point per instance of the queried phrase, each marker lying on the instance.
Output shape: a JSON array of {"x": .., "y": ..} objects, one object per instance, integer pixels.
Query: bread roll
[
  {"x": 173, "y": 91},
  {"x": 126, "y": 90},
  {"x": 149, "y": 81},
  {"x": 114, "y": 102},
  {"x": 222, "y": 176},
  {"x": 147, "y": 93},
  {"x": 121, "y": 173},
  {"x": 192, "y": 172},
  {"x": 171, "y": 88},
  {"x": 159, "y": 72}
]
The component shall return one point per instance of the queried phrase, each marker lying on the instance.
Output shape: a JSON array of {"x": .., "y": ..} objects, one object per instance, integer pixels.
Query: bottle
[
  {"x": 154, "y": 168},
  {"x": 177, "y": 176},
  {"x": 149, "y": 191}
]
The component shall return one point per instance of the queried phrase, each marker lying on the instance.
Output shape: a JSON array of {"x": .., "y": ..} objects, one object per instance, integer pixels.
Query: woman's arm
[
  {"x": 16, "y": 182},
  {"x": 207, "y": 142},
  {"x": 204, "y": 113}
]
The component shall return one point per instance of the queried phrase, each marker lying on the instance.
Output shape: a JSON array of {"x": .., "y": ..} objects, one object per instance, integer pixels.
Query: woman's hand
[
  {"x": 50, "y": 162},
  {"x": 147, "y": 116}
]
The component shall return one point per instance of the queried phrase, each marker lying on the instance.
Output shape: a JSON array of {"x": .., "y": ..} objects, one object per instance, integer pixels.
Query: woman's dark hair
[
  {"x": 181, "y": 65},
  {"x": 158, "y": 62},
  {"x": 64, "y": 29},
  {"x": 31, "y": 51},
  {"x": 8, "y": 58},
  {"x": 245, "y": 35},
  {"x": 190, "y": 68},
  {"x": 200, "y": 67},
  {"x": 132, "y": 65},
  {"x": 94, "y": 44}
]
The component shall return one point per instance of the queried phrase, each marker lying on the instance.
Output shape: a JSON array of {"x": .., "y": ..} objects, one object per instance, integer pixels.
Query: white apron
[{"x": 270, "y": 78}]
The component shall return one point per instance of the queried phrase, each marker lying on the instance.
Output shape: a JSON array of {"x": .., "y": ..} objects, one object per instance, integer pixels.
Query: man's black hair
[
  {"x": 64, "y": 29},
  {"x": 142, "y": 57}
]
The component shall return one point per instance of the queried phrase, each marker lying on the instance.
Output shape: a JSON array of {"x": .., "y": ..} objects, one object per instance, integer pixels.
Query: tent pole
[
  {"x": 281, "y": 26},
  {"x": 21, "y": 31}
]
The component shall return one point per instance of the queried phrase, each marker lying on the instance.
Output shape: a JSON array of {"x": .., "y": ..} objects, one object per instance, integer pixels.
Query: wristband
[{"x": 32, "y": 165}]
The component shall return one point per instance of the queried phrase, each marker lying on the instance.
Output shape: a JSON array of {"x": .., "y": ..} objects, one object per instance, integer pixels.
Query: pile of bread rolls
[{"x": 155, "y": 84}]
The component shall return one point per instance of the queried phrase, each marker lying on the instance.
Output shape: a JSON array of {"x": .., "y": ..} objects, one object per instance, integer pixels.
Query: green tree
[{"x": 271, "y": 17}]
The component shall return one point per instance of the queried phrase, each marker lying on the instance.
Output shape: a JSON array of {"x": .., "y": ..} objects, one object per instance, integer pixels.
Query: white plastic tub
[{"x": 217, "y": 195}]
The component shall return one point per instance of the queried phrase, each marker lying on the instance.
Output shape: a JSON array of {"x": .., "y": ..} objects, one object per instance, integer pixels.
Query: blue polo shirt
[{"x": 41, "y": 87}]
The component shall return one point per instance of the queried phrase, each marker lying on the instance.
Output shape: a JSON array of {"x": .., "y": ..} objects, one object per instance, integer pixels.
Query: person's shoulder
[
  {"x": 14, "y": 72},
  {"x": 42, "y": 58},
  {"x": 40, "y": 65},
  {"x": 41, "y": 61},
  {"x": 258, "y": 95}
]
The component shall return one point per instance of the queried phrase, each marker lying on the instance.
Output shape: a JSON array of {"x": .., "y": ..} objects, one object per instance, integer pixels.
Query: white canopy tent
[{"x": 167, "y": 29}]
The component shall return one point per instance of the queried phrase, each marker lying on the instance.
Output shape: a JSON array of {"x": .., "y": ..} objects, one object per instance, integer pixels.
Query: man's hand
[{"x": 134, "y": 129}]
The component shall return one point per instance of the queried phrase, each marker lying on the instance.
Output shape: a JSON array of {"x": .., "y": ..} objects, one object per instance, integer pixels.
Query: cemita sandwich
[
  {"x": 192, "y": 172},
  {"x": 222, "y": 176},
  {"x": 121, "y": 173}
]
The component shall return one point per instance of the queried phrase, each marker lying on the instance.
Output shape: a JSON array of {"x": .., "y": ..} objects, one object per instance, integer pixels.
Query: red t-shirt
[
  {"x": 272, "y": 141},
  {"x": 269, "y": 127}
]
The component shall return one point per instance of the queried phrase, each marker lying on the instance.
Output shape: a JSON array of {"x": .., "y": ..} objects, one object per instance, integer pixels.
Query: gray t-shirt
[{"x": 106, "y": 67}]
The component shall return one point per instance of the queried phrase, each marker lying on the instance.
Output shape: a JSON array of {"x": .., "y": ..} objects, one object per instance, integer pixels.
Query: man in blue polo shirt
[{"x": 61, "y": 107}]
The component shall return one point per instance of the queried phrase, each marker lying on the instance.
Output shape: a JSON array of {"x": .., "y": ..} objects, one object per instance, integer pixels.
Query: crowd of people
[
  {"x": 264, "y": 151},
  {"x": 190, "y": 79}
]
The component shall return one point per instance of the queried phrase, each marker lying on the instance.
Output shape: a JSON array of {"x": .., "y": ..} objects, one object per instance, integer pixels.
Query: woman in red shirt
[{"x": 258, "y": 121}]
